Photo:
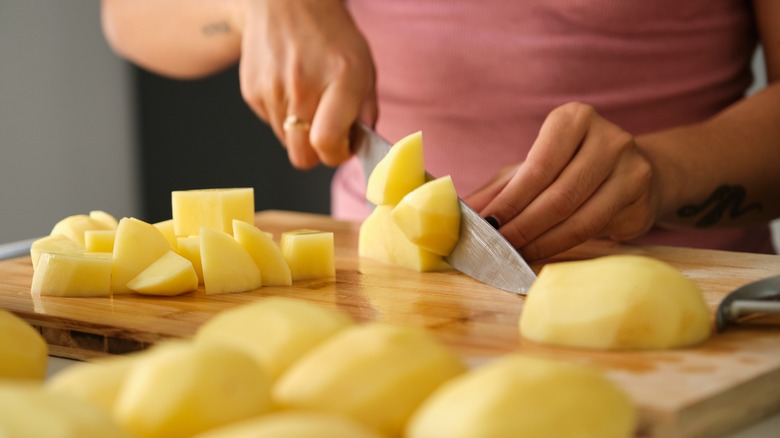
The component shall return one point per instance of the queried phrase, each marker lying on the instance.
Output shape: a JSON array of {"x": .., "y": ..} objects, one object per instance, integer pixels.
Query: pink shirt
[{"x": 479, "y": 77}]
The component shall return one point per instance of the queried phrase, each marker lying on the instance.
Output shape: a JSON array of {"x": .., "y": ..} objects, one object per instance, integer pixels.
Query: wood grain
[{"x": 731, "y": 380}]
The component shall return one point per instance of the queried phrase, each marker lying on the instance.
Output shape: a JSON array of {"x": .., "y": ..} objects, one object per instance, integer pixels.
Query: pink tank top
[{"x": 479, "y": 77}]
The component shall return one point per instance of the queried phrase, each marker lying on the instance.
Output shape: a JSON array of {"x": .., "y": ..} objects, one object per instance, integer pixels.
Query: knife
[{"x": 481, "y": 252}]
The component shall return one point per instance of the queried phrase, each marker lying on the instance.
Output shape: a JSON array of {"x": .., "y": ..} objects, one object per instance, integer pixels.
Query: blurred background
[{"x": 81, "y": 129}]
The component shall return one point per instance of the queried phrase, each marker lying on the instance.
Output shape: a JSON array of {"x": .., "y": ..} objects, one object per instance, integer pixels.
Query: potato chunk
[
  {"x": 522, "y": 396},
  {"x": 23, "y": 351},
  {"x": 429, "y": 216},
  {"x": 615, "y": 302},
  {"x": 398, "y": 173}
]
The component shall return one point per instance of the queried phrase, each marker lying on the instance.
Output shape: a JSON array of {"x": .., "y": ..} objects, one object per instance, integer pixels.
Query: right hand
[{"x": 308, "y": 59}]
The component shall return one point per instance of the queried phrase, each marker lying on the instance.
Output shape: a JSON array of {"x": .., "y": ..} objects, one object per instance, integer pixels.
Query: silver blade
[{"x": 481, "y": 252}]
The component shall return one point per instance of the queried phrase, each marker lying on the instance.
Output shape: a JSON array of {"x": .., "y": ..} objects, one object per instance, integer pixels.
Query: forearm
[
  {"x": 721, "y": 172},
  {"x": 179, "y": 38}
]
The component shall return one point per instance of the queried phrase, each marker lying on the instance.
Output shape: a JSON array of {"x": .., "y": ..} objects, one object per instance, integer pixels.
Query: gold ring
[{"x": 294, "y": 123}]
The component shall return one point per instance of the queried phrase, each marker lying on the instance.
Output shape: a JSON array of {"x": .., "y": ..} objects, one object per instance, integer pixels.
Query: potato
[
  {"x": 275, "y": 331},
  {"x": 98, "y": 382},
  {"x": 189, "y": 248},
  {"x": 166, "y": 228},
  {"x": 171, "y": 274},
  {"x": 294, "y": 424},
  {"x": 28, "y": 410},
  {"x": 136, "y": 246},
  {"x": 227, "y": 267},
  {"x": 212, "y": 208},
  {"x": 99, "y": 240},
  {"x": 398, "y": 173},
  {"x": 85, "y": 274},
  {"x": 520, "y": 396},
  {"x": 57, "y": 244},
  {"x": 265, "y": 252},
  {"x": 23, "y": 351},
  {"x": 380, "y": 239},
  {"x": 429, "y": 216},
  {"x": 615, "y": 302},
  {"x": 375, "y": 373},
  {"x": 309, "y": 253},
  {"x": 188, "y": 388},
  {"x": 73, "y": 227}
]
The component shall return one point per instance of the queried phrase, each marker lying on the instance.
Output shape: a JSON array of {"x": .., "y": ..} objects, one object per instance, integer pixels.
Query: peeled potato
[
  {"x": 275, "y": 331},
  {"x": 520, "y": 396},
  {"x": 23, "y": 351},
  {"x": 374, "y": 373},
  {"x": 615, "y": 302}
]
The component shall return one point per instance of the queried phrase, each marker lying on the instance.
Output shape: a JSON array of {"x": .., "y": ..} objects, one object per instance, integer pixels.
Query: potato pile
[
  {"x": 416, "y": 222},
  {"x": 280, "y": 367},
  {"x": 210, "y": 240}
]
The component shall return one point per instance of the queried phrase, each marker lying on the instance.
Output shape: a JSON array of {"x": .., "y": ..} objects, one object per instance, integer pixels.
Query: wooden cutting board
[{"x": 707, "y": 391}]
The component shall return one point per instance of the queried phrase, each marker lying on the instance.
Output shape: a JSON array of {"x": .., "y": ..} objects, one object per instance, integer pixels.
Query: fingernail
[{"x": 493, "y": 221}]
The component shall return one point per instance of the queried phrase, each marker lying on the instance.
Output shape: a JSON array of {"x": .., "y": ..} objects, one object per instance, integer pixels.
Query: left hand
[{"x": 584, "y": 177}]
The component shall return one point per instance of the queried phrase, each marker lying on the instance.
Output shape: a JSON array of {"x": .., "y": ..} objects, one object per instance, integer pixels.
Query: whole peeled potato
[
  {"x": 523, "y": 396},
  {"x": 615, "y": 302}
]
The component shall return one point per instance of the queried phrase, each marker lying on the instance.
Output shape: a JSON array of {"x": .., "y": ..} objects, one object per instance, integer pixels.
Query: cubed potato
[
  {"x": 185, "y": 389},
  {"x": 136, "y": 246},
  {"x": 73, "y": 275},
  {"x": 375, "y": 373},
  {"x": 227, "y": 267},
  {"x": 309, "y": 253},
  {"x": 522, "y": 396},
  {"x": 169, "y": 275},
  {"x": 398, "y": 173},
  {"x": 615, "y": 302},
  {"x": 429, "y": 216},
  {"x": 28, "y": 410},
  {"x": 23, "y": 351},
  {"x": 265, "y": 252},
  {"x": 57, "y": 244},
  {"x": 381, "y": 240},
  {"x": 211, "y": 208},
  {"x": 189, "y": 248},
  {"x": 276, "y": 331},
  {"x": 99, "y": 240},
  {"x": 294, "y": 424},
  {"x": 166, "y": 228}
]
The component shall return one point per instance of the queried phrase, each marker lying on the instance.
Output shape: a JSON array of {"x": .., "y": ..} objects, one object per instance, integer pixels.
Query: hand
[
  {"x": 306, "y": 58},
  {"x": 584, "y": 177}
]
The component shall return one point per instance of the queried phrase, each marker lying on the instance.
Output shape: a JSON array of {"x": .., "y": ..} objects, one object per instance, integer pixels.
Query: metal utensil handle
[{"x": 742, "y": 307}]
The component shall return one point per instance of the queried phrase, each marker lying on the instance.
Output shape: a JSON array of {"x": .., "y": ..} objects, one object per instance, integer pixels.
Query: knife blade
[{"x": 481, "y": 252}]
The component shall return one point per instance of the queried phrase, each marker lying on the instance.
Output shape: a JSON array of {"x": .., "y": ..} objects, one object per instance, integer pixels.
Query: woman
[{"x": 559, "y": 121}]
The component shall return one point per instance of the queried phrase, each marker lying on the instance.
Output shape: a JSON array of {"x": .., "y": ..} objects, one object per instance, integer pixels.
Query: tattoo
[
  {"x": 724, "y": 199},
  {"x": 212, "y": 29}
]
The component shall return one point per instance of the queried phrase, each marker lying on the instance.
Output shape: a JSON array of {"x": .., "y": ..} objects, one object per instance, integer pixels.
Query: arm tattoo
[
  {"x": 212, "y": 29},
  {"x": 725, "y": 199}
]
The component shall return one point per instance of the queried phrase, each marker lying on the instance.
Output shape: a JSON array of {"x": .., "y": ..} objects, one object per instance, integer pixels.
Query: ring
[{"x": 294, "y": 123}]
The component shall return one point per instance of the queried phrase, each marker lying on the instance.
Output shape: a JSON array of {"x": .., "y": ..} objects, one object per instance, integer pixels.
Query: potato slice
[
  {"x": 187, "y": 388},
  {"x": 227, "y": 267},
  {"x": 265, "y": 252},
  {"x": 276, "y": 331},
  {"x": 615, "y": 302},
  {"x": 23, "y": 351},
  {"x": 429, "y": 216},
  {"x": 169, "y": 275},
  {"x": 137, "y": 245},
  {"x": 521, "y": 396},
  {"x": 86, "y": 274},
  {"x": 398, "y": 173},
  {"x": 375, "y": 373}
]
